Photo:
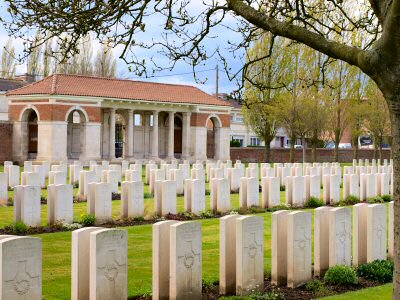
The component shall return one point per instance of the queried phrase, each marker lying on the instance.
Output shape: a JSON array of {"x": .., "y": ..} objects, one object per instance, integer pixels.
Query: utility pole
[{"x": 216, "y": 79}]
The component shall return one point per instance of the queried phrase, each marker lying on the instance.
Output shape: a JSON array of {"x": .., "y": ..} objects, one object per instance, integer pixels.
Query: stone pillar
[
  {"x": 186, "y": 135},
  {"x": 154, "y": 144},
  {"x": 129, "y": 152},
  {"x": 171, "y": 128},
  {"x": 112, "y": 134}
]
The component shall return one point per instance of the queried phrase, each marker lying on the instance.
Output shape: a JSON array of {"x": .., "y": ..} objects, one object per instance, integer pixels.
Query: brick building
[{"x": 90, "y": 118}]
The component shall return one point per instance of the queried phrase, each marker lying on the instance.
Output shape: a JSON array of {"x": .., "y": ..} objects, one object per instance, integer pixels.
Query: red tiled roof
[{"x": 78, "y": 85}]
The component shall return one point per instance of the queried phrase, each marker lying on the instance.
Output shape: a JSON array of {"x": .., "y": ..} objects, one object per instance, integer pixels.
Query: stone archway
[
  {"x": 76, "y": 119},
  {"x": 29, "y": 137},
  {"x": 120, "y": 135},
  {"x": 177, "y": 136},
  {"x": 213, "y": 125}
]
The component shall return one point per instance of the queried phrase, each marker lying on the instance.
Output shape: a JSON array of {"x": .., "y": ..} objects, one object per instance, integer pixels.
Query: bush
[
  {"x": 378, "y": 270},
  {"x": 282, "y": 188},
  {"x": 350, "y": 200},
  {"x": 376, "y": 199},
  {"x": 266, "y": 296},
  {"x": 235, "y": 144},
  {"x": 387, "y": 198},
  {"x": 341, "y": 275},
  {"x": 20, "y": 228},
  {"x": 88, "y": 220},
  {"x": 314, "y": 202},
  {"x": 315, "y": 286}
]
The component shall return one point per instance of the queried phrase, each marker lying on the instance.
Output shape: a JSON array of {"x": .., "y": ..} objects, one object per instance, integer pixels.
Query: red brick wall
[
  {"x": 6, "y": 129},
  {"x": 199, "y": 120},
  {"x": 53, "y": 112},
  {"x": 249, "y": 154}
]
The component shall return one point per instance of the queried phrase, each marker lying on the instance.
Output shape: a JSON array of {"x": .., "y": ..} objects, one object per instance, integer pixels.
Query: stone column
[
  {"x": 154, "y": 144},
  {"x": 186, "y": 135},
  {"x": 129, "y": 152},
  {"x": 171, "y": 128},
  {"x": 112, "y": 134}
]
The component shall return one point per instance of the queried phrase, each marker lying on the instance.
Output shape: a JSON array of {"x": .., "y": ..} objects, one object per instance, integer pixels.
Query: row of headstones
[
  {"x": 334, "y": 234},
  {"x": 27, "y": 202},
  {"x": 99, "y": 256},
  {"x": 99, "y": 265},
  {"x": 241, "y": 257}
]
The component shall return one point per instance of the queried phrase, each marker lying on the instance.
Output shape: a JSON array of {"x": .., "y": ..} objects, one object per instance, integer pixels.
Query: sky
[{"x": 181, "y": 74}]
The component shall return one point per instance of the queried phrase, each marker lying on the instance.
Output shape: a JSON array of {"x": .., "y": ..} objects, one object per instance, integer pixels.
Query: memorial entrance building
[{"x": 73, "y": 117}]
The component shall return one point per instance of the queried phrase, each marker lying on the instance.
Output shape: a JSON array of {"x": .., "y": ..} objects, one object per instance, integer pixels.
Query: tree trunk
[
  {"x": 304, "y": 150},
  {"x": 336, "y": 154},
  {"x": 355, "y": 145},
  {"x": 291, "y": 152},
  {"x": 395, "y": 118},
  {"x": 267, "y": 152},
  {"x": 314, "y": 152}
]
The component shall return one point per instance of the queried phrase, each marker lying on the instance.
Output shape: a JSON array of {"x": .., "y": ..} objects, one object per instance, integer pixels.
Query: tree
[
  {"x": 105, "y": 63},
  {"x": 187, "y": 29},
  {"x": 264, "y": 82},
  {"x": 377, "y": 120},
  {"x": 47, "y": 58},
  {"x": 34, "y": 67},
  {"x": 8, "y": 63}
]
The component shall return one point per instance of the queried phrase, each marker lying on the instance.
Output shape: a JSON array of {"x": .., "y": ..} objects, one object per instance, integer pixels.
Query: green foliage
[
  {"x": 206, "y": 214},
  {"x": 282, "y": 188},
  {"x": 278, "y": 207},
  {"x": 235, "y": 143},
  {"x": 147, "y": 195},
  {"x": 378, "y": 270},
  {"x": 350, "y": 200},
  {"x": 314, "y": 202},
  {"x": 20, "y": 228},
  {"x": 374, "y": 200},
  {"x": 315, "y": 286},
  {"x": 88, "y": 220},
  {"x": 267, "y": 296},
  {"x": 387, "y": 198},
  {"x": 341, "y": 275}
]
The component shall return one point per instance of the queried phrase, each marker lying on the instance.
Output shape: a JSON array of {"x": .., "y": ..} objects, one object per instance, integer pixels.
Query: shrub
[
  {"x": 350, "y": 200},
  {"x": 88, "y": 220},
  {"x": 206, "y": 214},
  {"x": 376, "y": 199},
  {"x": 147, "y": 195},
  {"x": 378, "y": 270},
  {"x": 315, "y": 286},
  {"x": 341, "y": 275},
  {"x": 20, "y": 228},
  {"x": 387, "y": 198},
  {"x": 314, "y": 202},
  {"x": 278, "y": 207},
  {"x": 235, "y": 144},
  {"x": 282, "y": 187}
]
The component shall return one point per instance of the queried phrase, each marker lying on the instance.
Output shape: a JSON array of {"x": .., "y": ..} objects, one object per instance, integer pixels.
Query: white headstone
[
  {"x": 376, "y": 232},
  {"x": 132, "y": 199},
  {"x": 185, "y": 261},
  {"x": 279, "y": 248},
  {"x": 249, "y": 254},
  {"x": 60, "y": 203},
  {"x": 27, "y": 205},
  {"x": 340, "y": 236}
]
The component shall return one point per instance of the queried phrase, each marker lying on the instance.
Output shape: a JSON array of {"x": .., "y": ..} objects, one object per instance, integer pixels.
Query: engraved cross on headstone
[
  {"x": 23, "y": 282},
  {"x": 188, "y": 260},
  {"x": 252, "y": 249}
]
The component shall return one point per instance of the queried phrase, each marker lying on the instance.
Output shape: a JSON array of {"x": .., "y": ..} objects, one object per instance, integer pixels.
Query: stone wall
[
  {"x": 253, "y": 154},
  {"x": 6, "y": 130}
]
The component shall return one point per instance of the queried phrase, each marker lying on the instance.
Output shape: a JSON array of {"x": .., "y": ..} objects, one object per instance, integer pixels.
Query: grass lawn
[{"x": 57, "y": 252}]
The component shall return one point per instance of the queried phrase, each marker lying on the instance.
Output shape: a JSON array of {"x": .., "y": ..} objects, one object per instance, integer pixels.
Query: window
[
  {"x": 239, "y": 119},
  {"x": 232, "y": 118},
  {"x": 138, "y": 120},
  {"x": 254, "y": 141}
]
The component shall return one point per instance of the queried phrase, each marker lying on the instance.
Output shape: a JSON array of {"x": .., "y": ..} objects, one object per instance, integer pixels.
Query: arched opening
[
  {"x": 75, "y": 134},
  {"x": 210, "y": 138},
  {"x": 178, "y": 136},
  {"x": 120, "y": 132},
  {"x": 32, "y": 134}
]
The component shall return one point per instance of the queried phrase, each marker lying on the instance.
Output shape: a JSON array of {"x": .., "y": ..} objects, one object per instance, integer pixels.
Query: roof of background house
[
  {"x": 79, "y": 85},
  {"x": 9, "y": 84}
]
